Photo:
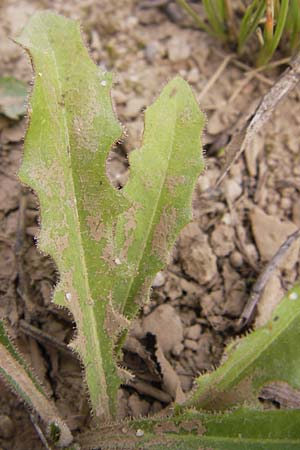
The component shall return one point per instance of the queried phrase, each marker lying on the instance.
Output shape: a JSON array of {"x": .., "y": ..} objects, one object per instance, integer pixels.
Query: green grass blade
[
  {"x": 216, "y": 16},
  {"x": 202, "y": 25},
  {"x": 293, "y": 24},
  {"x": 269, "y": 48},
  {"x": 268, "y": 354},
  {"x": 251, "y": 19},
  {"x": 238, "y": 430},
  {"x": 18, "y": 376},
  {"x": 163, "y": 176}
]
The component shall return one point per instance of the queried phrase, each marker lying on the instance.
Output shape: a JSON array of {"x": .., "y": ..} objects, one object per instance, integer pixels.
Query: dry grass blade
[{"x": 255, "y": 122}]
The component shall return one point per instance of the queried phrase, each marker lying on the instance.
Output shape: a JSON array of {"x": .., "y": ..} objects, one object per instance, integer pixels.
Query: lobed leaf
[
  {"x": 269, "y": 354},
  {"x": 17, "y": 374},
  {"x": 107, "y": 244}
]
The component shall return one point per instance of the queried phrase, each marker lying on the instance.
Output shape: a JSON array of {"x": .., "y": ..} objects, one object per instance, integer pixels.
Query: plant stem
[
  {"x": 269, "y": 25},
  {"x": 194, "y": 15}
]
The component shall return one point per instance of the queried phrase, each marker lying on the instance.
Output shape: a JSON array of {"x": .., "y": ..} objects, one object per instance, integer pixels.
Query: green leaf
[
  {"x": 269, "y": 354},
  {"x": 163, "y": 176},
  {"x": 238, "y": 430},
  {"x": 17, "y": 374},
  {"x": 12, "y": 98},
  {"x": 107, "y": 244}
]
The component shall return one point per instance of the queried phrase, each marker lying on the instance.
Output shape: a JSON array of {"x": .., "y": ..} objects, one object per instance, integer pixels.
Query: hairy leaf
[
  {"x": 16, "y": 373},
  {"x": 238, "y": 430},
  {"x": 269, "y": 354},
  {"x": 107, "y": 244},
  {"x": 163, "y": 175}
]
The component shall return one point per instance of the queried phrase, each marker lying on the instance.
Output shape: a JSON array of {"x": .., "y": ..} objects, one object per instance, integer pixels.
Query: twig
[
  {"x": 148, "y": 389},
  {"x": 263, "y": 278},
  {"x": 215, "y": 77},
  {"x": 282, "y": 393},
  {"x": 39, "y": 432},
  {"x": 44, "y": 338},
  {"x": 264, "y": 111}
]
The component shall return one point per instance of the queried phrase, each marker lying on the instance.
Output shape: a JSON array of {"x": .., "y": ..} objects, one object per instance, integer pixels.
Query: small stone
[
  {"x": 165, "y": 323},
  {"x": 159, "y": 280},
  {"x": 286, "y": 203},
  {"x": 236, "y": 259},
  {"x": 119, "y": 97},
  {"x": 178, "y": 49},
  {"x": 190, "y": 344},
  {"x": 222, "y": 240},
  {"x": 270, "y": 233},
  {"x": 232, "y": 190},
  {"x": 203, "y": 183},
  {"x": 193, "y": 75},
  {"x": 134, "y": 107},
  {"x": 139, "y": 433},
  {"x": 7, "y": 428},
  {"x": 197, "y": 258},
  {"x": 153, "y": 51},
  {"x": 177, "y": 349},
  {"x": 193, "y": 332}
]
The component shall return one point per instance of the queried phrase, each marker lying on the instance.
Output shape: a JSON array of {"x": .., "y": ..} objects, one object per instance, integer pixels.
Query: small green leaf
[
  {"x": 269, "y": 354},
  {"x": 12, "y": 98}
]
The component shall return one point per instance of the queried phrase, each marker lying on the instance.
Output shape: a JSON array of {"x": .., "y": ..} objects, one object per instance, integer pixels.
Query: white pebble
[
  {"x": 139, "y": 433},
  {"x": 293, "y": 296},
  {"x": 159, "y": 280}
]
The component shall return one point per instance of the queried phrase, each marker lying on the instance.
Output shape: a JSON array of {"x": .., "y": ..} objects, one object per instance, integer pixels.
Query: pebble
[
  {"x": 193, "y": 75},
  {"x": 159, "y": 280},
  {"x": 153, "y": 51},
  {"x": 286, "y": 203},
  {"x": 190, "y": 344},
  {"x": 119, "y": 97},
  {"x": 236, "y": 259},
  {"x": 165, "y": 323},
  {"x": 232, "y": 190},
  {"x": 193, "y": 332},
  {"x": 7, "y": 428},
  {"x": 222, "y": 240},
  {"x": 178, "y": 49}
]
